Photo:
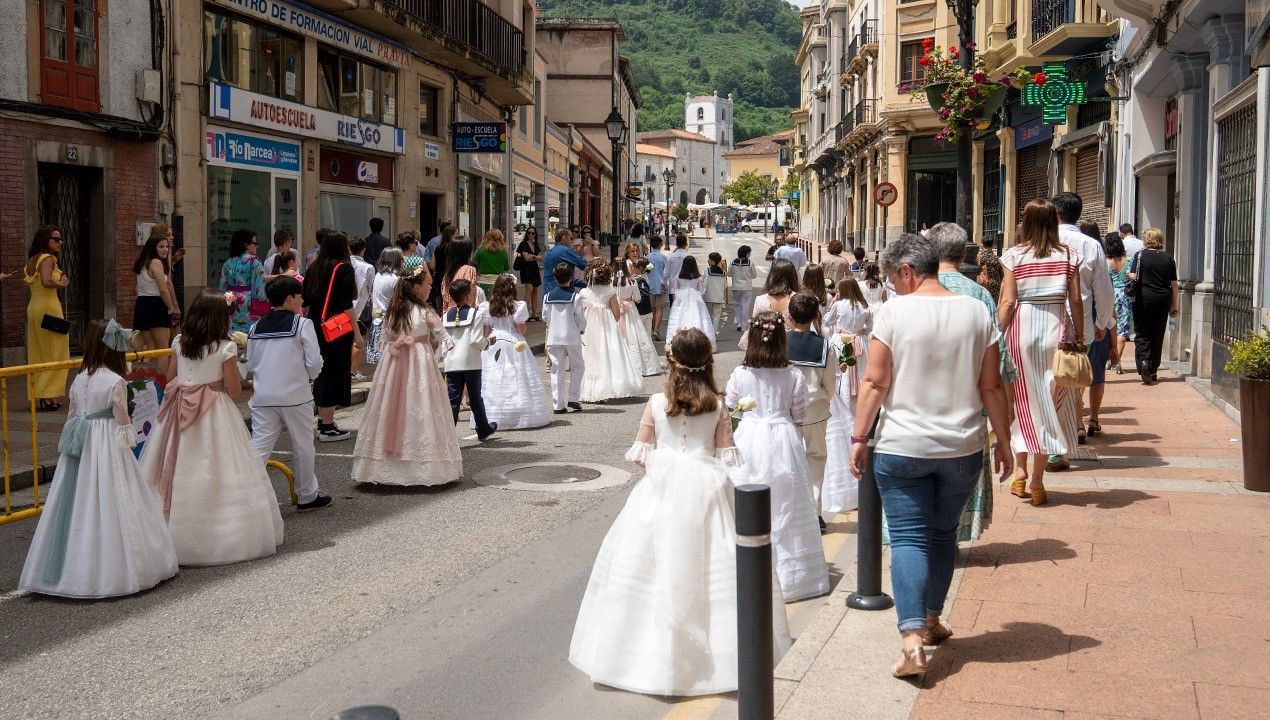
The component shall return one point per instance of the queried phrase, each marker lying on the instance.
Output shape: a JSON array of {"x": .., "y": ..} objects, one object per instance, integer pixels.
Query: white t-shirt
[{"x": 933, "y": 409}]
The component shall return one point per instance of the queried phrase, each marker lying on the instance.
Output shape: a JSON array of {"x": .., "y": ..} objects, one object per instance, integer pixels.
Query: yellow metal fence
[{"x": 27, "y": 371}]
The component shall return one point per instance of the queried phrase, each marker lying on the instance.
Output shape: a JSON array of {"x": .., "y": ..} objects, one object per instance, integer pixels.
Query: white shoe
[{"x": 358, "y": 377}]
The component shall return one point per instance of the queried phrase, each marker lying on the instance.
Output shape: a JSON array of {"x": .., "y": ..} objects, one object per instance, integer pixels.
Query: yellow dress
[{"x": 43, "y": 346}]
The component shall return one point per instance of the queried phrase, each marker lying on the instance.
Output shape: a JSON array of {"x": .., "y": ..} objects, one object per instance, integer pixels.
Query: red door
[{"x": 68, "y": 54}]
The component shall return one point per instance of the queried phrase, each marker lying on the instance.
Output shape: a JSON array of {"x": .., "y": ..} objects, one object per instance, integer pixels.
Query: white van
[{"x": 761, "y": 219}]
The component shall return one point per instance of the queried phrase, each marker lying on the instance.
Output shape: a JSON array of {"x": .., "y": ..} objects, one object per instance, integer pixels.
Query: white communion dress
[
  {"x": 841, "y": 489},
  {"x": 102, "y": 532},
  {"x": 689, "y": 310},
  {"x": 637, "y": 336},
  {"x": 612, "y": 367},
  {"x": 659, "y": 613},
  {"x": 515, "y": 395},
  {"x": 775, "y": 456},
  {"x": 223, "y": 508}
]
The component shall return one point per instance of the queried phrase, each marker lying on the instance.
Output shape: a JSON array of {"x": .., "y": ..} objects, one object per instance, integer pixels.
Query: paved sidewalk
[{"x": 1141, "y": 590}]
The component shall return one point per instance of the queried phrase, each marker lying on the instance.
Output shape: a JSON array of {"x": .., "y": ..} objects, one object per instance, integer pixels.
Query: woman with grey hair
[{"x": 930, "y": 434}]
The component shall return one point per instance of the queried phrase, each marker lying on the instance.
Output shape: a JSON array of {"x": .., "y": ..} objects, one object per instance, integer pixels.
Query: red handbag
[{"x": 337, "y": 327}]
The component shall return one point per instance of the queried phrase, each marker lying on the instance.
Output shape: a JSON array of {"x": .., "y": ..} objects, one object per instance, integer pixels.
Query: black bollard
[
  {"x": 868, "y": 594},
  {"x": 368, "y": 712},
  {"x": 755, "y": 658}
]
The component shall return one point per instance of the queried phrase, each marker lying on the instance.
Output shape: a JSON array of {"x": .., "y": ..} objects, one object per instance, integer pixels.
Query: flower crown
[
  {"x": 413, "y": 273},
  {"x": 670, "y": 357},
  {"x": 768, "y": 326}
]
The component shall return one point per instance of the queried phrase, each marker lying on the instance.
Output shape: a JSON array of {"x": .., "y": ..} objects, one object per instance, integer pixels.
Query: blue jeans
[{"x": 923, "y": 501}]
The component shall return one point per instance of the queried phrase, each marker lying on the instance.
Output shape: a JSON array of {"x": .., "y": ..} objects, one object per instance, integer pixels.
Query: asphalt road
[{"x": 451, "y": 602}]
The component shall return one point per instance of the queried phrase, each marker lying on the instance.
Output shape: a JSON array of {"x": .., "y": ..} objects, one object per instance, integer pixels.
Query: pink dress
[
  {"x": 407, "y": 436},
  {"x": 468, "y": 273}
]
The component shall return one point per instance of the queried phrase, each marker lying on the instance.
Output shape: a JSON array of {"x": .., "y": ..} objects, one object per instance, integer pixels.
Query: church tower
[{"x": 710, "y": 115}]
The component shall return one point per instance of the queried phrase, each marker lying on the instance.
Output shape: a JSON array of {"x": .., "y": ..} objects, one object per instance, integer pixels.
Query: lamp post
[
  {"x": 615, "y": 127},
  {"x": 964, "y": 13},
  {"x": 669, "y": 176}
]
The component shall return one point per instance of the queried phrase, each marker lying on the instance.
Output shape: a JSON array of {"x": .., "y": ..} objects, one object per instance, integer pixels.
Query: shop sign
[
  {"x": 479, "y": 137},
  {"x": 227, "y": 102},
  {"x": 1031, "y": 133},
  {"x": 233, "y": 148},
  {"x": 431, "y": 151},
  {"x": 350, "y": 168},
  {"x": 315, "y": 24}
]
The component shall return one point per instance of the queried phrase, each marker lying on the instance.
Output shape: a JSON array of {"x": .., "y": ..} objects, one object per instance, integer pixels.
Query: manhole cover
[
  {"x": 553, "y": 477},
  {"x": 552, "y": 474}
]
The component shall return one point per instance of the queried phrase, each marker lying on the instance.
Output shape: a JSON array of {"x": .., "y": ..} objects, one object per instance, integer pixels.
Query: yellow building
[{"x": 768, "y": 156}]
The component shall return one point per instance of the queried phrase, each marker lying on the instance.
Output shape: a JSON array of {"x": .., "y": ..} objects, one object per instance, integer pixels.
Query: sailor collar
[
  {"x": 803, "y": 343},
  {"x": 277, "y": 324},
  {"x": 460, "y": 316}
]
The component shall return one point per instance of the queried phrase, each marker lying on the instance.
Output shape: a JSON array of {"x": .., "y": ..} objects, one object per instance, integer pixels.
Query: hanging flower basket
[{"x": 993, "y": 98}]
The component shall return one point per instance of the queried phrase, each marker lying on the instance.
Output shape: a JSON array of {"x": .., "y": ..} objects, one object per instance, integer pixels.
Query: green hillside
[{"x": 743, "y": 47}]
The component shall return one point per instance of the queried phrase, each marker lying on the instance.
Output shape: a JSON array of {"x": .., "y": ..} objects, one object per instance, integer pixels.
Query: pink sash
[
  {"x": 182, "y": 406},
  {"x": 853, "y": 372},
  {"x": 396, "y": 389}
]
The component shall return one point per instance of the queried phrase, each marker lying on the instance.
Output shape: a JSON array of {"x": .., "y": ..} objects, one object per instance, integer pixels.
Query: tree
[
  {"x": 749, "y": 188},
  {"x": 793, "y": 184},
  {"x": 680, "y": 212}
]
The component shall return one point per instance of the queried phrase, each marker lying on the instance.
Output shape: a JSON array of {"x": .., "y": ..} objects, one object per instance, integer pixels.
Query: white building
[
  {"x": 700, "y": 170},
  {"x": 712, "y": 116},
  {"x": 1193, "y": 161},
  {"x": 651, "y": 163}
]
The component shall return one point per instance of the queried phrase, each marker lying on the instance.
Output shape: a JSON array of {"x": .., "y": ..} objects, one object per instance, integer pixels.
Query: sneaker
[
  {"x": 316, "y": 503},
  {"x": 576, "y": 407},
  {"x": 358, "y": 377},
  {"x": 561, "y": 411},
  {"x": 331, "y": 433},
  {"x": 493, "y": 428}
]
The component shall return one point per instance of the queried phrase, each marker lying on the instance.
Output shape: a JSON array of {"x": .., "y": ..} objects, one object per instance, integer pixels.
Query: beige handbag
[{"x": 1071, "y": 367}]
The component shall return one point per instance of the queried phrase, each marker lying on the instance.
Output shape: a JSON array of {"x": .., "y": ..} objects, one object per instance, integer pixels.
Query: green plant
[
  {"x": 966, "y": 93},
  {"x": 749, "y": 188},
  {"x": 1250, "y": 357},
  {"x": 680, "y": 212}
]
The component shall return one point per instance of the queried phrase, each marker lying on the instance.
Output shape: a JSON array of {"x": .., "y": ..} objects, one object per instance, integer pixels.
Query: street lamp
[
  {"x": 615, "y": 127},
  {"x": 964, "y": 13},
  {"x": 773, "y": 194},
  {"x": 669, "y": 176}
]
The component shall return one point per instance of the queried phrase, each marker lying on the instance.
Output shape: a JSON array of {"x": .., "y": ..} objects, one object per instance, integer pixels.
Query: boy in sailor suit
[
  {"x": 283, "y": 398},
  {"x": 470, "y": 334},
  {"x": 566, "y": 319},
  {"x": 742, "y": 287},
  {"x": 810, "y": 354}
]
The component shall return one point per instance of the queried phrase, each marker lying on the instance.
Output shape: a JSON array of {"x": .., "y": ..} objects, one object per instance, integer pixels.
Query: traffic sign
[{"x": 885, "y": 194}]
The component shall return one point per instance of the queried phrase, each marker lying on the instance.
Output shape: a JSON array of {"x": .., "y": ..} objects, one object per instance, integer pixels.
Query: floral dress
[
  {"x": 1124, "y": 306},
  {"x": 245, "y": 277}
]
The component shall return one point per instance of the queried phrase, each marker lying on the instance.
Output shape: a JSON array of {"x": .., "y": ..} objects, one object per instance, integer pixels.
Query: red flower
[
  {"x": 980, "y": 77},
  {"x": 1039, "y": 78},
  {"x": 927, "y": 44},
  {"x": 971, "y": 45},
  {"x": 925, "y": 60},
  {"x": 953, "y": 51}
]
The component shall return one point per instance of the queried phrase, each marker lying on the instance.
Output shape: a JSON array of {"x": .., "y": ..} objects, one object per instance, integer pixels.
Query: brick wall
[{"x": 127, "y": 195}]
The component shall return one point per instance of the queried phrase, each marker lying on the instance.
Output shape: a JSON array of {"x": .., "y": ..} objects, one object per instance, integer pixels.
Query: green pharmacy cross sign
[{"x": 1055, "y": 94}]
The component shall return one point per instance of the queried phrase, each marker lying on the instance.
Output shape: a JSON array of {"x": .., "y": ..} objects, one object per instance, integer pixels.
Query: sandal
[
  {"x": 1080, "y": 436},
  {"x": 1018, "y": 487},
  {"x": 1095, "y": 428},
  {"x": 49, "y": 406}
]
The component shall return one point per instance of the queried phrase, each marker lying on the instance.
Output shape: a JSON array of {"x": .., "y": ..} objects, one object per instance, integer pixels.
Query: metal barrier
[{"x": 10, "y": 515}]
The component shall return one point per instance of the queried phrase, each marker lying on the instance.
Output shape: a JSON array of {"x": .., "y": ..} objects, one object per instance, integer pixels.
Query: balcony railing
[
  {"x": 868, "y": 34},
  {"x": 1049, "y": 15},
  {"x": 842, "y": 128},
  {"x": 1012, "y": 30},
  {"x": 475, "y": 25},
  {"x": 863, "y": 114}
]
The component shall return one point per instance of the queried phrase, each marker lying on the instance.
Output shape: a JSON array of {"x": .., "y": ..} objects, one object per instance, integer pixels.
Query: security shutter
[
  {"x": 1032, "y": 175},
  {"x": 1089, "y": 188}
]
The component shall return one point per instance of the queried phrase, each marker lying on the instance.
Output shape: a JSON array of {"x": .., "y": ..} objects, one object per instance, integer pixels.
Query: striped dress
[{"x": 1032, "y": 339}]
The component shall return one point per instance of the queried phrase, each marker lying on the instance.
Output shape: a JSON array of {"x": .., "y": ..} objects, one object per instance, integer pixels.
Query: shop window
[
  {"x": 253, "y": 57},
  {"x": 351, "y": 86},
  {"x": 68, "y": 57},
  {"x": 911, "y": 70},
  {"x": 428, "y": 97}
]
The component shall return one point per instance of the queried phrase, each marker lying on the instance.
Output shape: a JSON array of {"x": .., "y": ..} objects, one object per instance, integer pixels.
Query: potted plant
[
  {"x": 964, "y": 97},
  {"x": 1250, "y": 360}
]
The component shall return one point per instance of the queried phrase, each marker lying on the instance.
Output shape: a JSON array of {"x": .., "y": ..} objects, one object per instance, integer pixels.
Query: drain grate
[
  {"x": 552, "y": 474},
  {"x": 553, "y": 477}
]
